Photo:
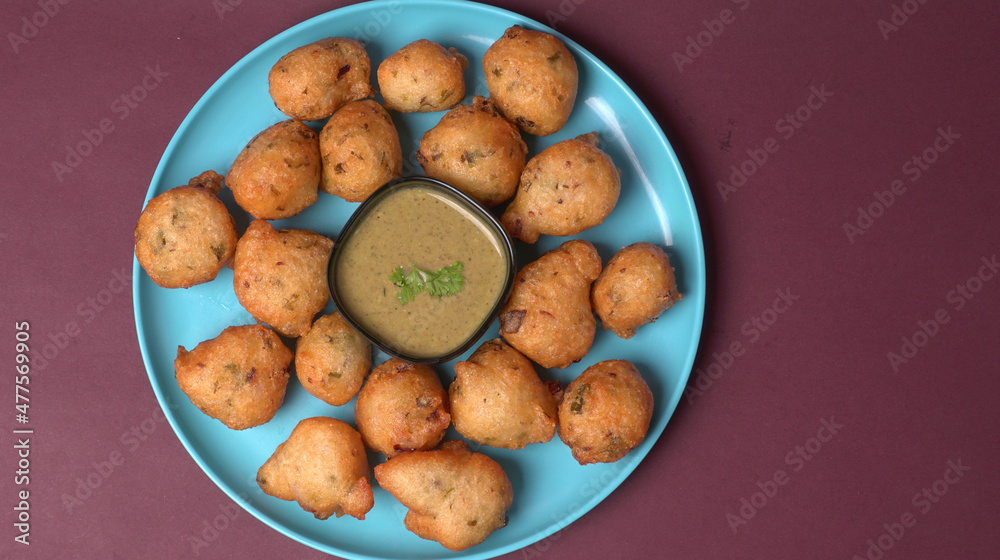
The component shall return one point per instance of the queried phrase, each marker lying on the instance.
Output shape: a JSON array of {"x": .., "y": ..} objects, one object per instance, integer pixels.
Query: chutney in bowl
[{"x": 421, "y": 269}]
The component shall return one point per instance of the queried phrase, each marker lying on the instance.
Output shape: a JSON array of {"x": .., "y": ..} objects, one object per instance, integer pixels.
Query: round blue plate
[{"x": 550, "y": 488}]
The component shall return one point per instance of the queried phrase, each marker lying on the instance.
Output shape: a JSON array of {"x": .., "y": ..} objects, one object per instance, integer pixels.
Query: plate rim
[{"x": 633, "y": 459}]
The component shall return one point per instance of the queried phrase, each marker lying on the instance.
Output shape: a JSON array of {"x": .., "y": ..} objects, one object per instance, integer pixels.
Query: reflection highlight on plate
[{"x": 607, "y": 114}]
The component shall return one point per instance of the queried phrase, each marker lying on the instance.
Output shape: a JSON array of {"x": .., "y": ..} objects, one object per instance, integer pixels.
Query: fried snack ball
[
  {"x": 238, "y": 377},
  {"x": 322, "y": 466},
  {"x": 402, "y": 407},
  {"x": 185, "y": 235},
  {"x": 332, "y": 360},
  {"x": 360, "y": 150},
  {"x": 605, "y": 412},
  {"x": 565, "y": 189},
  {"x": 210, "y": 180},
  {"x": 635, "y": 287},
  {"x": 314, "y": 80},
  {"x": 547, "y": 317},
  {"x": 475, "y": 149},
  {"x": 422, "y": 77},
  {"x": 277, "y": 174},
  {"x": 455, "y": 497},
  {"x": 280, "y": 276},
  {"x": 533, "y": 78},
  {"x": 497, "y": 399}
]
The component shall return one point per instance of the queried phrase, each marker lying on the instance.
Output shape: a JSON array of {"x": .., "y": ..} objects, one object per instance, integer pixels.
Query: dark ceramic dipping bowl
[{"x": 386, "y": 278}]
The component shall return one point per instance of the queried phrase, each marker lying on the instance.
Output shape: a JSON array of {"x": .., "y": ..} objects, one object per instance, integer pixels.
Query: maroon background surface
[{"x": 63, "y": 241}]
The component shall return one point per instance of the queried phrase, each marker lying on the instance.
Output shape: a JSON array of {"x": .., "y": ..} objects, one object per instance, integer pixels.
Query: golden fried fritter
[
  {"x": 455, "y": 497},
  {"x": 322, "y": 466},
  {"x": 402, "y": 407},
  {"x": 548, "y": 317},
  {"x": 360, "y": 150},
  {"x": 635, "y": 287},
  {"x": 280, "y": 276},
  {"x": 533, "y": 78},
  {"x": 314, "y": 80},
  {"x": 497, "y": 399},
  {"x": 238, "y": 377},
  {"x": 209, "y": 180},
  {"x": 422, "y": 76},
  {"x": 475, "y": 149},
  {"x": 332, "y": 359},
  {"x": 605, "y": 412},
  {"x": 277, "y": 174},
  {"x": 185, "y": 235},
  {"x": 565, "y": 189}
]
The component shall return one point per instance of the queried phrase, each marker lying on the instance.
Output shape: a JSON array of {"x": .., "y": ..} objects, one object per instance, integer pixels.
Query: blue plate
[{"x": 550, "y": 488}]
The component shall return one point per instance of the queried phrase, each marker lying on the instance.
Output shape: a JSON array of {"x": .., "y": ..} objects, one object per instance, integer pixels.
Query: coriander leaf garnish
[
  {"x": 446, "y": 281},
  {"x": 407, "y": 284}
]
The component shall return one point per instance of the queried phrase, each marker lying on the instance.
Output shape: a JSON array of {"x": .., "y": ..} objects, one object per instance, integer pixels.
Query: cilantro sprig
[{"x": 446, "y": 281}]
